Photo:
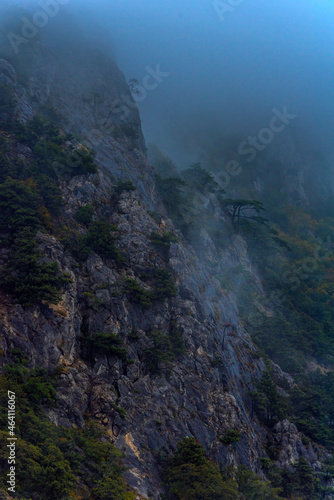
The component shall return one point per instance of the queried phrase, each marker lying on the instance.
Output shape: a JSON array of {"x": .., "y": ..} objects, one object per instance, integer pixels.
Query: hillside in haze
[{"x": 166, "y": 327}]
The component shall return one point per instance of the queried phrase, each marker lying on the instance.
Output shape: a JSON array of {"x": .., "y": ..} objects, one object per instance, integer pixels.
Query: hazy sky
[{"x": 227, "y": 71}]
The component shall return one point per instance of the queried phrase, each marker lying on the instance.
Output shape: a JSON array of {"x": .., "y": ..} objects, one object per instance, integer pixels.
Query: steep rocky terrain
[{"x": 204, "y": 389}]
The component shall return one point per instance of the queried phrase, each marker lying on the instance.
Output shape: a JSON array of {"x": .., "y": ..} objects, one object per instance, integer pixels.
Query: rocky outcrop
[{"x": 290, "y": 444}]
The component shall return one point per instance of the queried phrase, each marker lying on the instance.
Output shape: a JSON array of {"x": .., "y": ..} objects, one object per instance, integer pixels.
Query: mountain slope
[{"x": 149, "y": 342}]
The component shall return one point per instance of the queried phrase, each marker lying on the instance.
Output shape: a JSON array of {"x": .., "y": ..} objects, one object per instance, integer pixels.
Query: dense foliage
[
  {"x": 104, "y": 343},
  {"x": 53, "y": 462},
  {"x": 163, "y": 287},
  {"x": 100, "y": 238},
  {"x": 166, "y": 348},
  {"x": 29, "y": 198},
  {"x": 163, "y": 242},
  {"x": 31, "y": 202},
  {"x": 189, "y": 474}
]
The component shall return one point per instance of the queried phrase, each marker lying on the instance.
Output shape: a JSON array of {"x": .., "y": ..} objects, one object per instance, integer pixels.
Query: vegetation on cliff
[
  {"x": 290, "y": 318},
  {"x": 54, "y": 462}
]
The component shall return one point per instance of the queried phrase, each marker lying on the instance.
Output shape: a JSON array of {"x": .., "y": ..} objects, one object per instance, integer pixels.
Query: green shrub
[
  {"x": 163, "y": 241},
  {"x": 163, "y": 165},
  {"x": 104, "y": 343},
  {"x": 125, "y": 130},
  {"x": 123, "y": 186},
  {"x": 24, "y": 204},
  {"x": 252, "y": 487},
  {"x": 53, "y": 462},
  {"x": 137, "y": 294},
  {"x": 19, "y": 204},
  {"x": 269, "y": 404},
  {"x": 37, "y": 385},
  {"x": 93, "y": 301},
  {"x": 133, "y": 336},
  {"x": 166, "y": 348},
  {"x": 100, "y": 240},
  {"x": 81, "y": 162},
  {"x": 42, "y": 284},
  {"x": 116, "y": 133},
  {"x": 29, "y": 278},
  {"x": 41, "y": 136},
  {"x": 171, "y": 191},
  {"x": 121, "y": 412},
  {"x": 298, "y": 482},
  {"x": 190, "y": 475},
  {"x": 155, "y": 216},
  {"x": 52, "y": 156},
  {"x": 161, "y": 352},
  {"x": 242, "y": 211},
  {"x": 85, "y": 214},
  {"x": 50, "y": 193},
  {"x": 164, "y": 285},
  {"x": 230, "y": 436},
  {"x": 112, "y": 486},
  {"x": 29, "y": 196}
]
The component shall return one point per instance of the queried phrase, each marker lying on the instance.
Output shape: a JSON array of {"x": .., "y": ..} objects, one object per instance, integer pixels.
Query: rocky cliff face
[{"x": 207, "y": 390}]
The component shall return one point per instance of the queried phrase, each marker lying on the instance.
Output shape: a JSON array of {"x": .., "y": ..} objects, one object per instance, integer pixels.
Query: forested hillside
[{"x": 166, "y": 336}]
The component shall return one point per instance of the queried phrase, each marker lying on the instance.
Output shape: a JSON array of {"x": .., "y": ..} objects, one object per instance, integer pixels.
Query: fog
[{"x": 225, "y": 66}]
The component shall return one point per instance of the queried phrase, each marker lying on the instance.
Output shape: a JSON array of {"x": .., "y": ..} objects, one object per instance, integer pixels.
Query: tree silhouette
[{"x": 239, "y": 210}]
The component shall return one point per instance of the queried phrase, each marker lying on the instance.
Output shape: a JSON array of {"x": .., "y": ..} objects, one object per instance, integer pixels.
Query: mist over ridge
[
  {"x": 226, "y": 70},
  {"x": 227, "y": 75},
  {"x": 167, "y": 248}
]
